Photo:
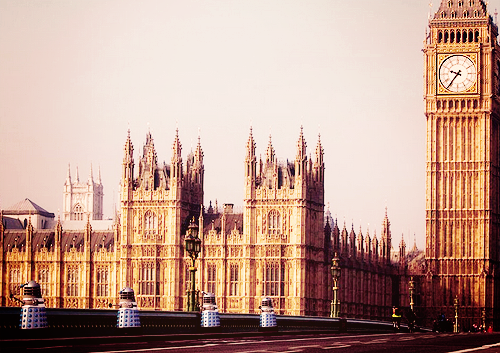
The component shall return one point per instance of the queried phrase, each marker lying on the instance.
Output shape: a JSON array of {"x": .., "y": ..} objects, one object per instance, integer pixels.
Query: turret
[
  {"x": 361, "y": 250},
  {"x": 375, "y": 248},
  {"x": 176, "y": 167},
  {"x": 148, "y": 165},
  {"x": 386, "y": 240},
  {"x": 58, "y": 234},
  {"x": 128, "y": 164},
  {"x": 368, "y": 249},
  {"x": 67, "y": 183},
  {"x": 88, "y": 235},
  {"x": 402, "y": 254},
  {"x": 344, "y": 242},
  {"x": 197, "y": 168},
  {"x": 301, "y": 161},
  {"x": 91, "y": 177},
  {"x": 319, "y": 167},
  {"x": 250, "y": 162},
  {"x": 352, "y": 243},
  {"x": 336, "y": 237}
]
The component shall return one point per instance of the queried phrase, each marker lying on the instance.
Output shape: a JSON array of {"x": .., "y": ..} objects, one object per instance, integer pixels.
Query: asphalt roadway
[{"x": 262, "y": 343}]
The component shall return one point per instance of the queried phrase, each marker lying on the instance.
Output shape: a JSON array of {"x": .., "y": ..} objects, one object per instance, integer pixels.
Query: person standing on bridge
[{"x": 396, "y": 317}]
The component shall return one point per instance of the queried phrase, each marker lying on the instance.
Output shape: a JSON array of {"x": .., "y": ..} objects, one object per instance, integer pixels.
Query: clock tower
[{"x": 462, "y": 108}]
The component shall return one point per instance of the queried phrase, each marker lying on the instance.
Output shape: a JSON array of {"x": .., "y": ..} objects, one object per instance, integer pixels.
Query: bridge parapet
[{"x": 101, "y": 322}]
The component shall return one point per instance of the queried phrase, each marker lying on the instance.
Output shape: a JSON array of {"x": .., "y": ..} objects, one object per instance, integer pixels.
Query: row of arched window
[
  {"x": 211, "y": 282},
  {"x": 454, "y": 14},
  {"x": 457, "y": 104},
  {"x": 458, "y": 36},
  {"x": 461, "y": 3}
]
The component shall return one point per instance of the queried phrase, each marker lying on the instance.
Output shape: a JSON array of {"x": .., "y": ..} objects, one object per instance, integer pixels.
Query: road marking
[
  {"x": 301, "y": 347},
  {"x": 375, "y": 341},
  {"x": 339, "y": 346},
  {"x": 51, "y": 347},
  {"x": 336, "y": 337},
  {"x": 486, "y": 346},
  {"x": 158, "y": 348}
]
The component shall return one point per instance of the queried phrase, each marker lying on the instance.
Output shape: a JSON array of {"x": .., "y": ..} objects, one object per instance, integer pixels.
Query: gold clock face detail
[{"x": 457, "y": 73}]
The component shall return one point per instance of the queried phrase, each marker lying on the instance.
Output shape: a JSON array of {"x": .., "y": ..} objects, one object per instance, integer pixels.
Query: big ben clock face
[{"x": 457, "y": 74}]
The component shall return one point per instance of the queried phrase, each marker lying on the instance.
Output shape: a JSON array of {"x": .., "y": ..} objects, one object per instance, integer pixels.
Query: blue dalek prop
[
  {"x": 267, "y": 315},
  {"x": 33, "y": 314},
  {"x": 128, "y": 312},
  {"x": 210, "y": 313}
]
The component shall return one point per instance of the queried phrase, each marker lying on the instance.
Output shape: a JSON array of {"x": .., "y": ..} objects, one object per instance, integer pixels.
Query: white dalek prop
[
  {"x": 209, "y": 312},
  {"x": 267, "y": 315},
  {"x": 128, "y": 313},
  {"x": 33, "y": 313}
]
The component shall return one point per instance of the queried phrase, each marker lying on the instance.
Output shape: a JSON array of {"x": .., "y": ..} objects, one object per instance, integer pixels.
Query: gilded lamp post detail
[
  {"x": 336, "y": 272},
  {"x": 412, "y": 288},
  {"x": 193, "y": 248}
]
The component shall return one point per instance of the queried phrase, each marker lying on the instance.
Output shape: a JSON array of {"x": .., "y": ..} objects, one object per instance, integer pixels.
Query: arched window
[
  {"x": 466, "y": 13},
  {"x": 274, "y": 223},
  {"x": 274, "y": 279},
  {"x": 453, "y": 14},
  {"x": 44, "y": 281},
  {"x": 15, "y": 280},
  {"x": 211, "y": 278},
  {"x": 72, "y": 281},
  {"x": 78, "y": 212},
  {"x": 150, "y": 223},
  {"x": 147, "y": 279},
  {"x": 450, "y": 3},
  {"x": 102, "y": 282},
  {"x": 440, "y": 37},
  {"x": 233, "y": 279}
]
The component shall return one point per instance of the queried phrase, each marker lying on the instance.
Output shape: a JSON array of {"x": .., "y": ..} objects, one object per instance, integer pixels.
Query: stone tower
[
  {"x": 283, "y": 224},
  {"x": 462, "y": 184},
  {"x": 82, "y": 200},
  {"x": 156, "y": 207}
]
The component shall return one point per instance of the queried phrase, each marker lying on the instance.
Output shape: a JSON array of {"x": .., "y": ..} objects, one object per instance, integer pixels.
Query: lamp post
[
  {"x": 336, "y": 272},
  {"x": 411, "y": 284},
  {"x": 455, "y": 304},
  {"x": 193, "y": 248}
]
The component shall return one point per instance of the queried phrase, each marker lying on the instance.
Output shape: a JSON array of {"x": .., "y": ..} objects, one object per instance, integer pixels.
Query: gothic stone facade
[
  {"x": 278, "y": 246},
  {"x": 462, "y": 106}
]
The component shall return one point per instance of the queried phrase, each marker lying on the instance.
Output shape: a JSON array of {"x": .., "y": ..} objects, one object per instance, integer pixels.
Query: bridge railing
[{"x": 98, "y": 322}]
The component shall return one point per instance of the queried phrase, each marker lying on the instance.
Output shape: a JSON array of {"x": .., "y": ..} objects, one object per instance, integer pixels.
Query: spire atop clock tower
[{"x": 452, "y": 9}]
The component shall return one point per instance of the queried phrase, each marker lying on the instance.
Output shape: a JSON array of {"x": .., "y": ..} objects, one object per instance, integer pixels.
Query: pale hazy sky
[{"x": 75, "y": 75}]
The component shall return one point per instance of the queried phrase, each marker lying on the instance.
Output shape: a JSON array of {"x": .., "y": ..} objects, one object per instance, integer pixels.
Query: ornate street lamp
[
  {"x": 411, "y": 284},
  {"x": 455, "y": 304},
  {"x": 193, "y": 248},
  {"x": 336, "y": 272}
]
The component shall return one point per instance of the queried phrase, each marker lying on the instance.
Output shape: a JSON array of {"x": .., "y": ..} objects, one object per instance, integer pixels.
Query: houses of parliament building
[{"x": 282, "y": 244}]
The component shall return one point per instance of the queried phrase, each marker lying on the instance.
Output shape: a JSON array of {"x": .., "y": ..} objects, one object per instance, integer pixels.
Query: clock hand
[{"x": 456, "y": 75}]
